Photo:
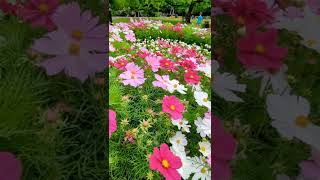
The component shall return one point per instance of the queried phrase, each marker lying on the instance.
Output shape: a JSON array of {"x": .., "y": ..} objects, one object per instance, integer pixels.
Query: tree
[{"x": 192, "y": 4}]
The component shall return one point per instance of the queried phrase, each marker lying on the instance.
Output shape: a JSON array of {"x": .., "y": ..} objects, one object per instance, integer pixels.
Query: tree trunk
[{"x": 188, "y": 15}]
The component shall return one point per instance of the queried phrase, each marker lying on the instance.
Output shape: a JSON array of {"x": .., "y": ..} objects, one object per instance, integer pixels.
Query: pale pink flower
[
  {"x": 133, "y": 75},
  {"x": 162, "y": 81},
  {"x": 154, "y": 62}
]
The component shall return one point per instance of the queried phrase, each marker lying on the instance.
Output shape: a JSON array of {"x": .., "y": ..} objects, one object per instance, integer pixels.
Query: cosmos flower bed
[
  {"x": 267, "y": 64},
  {"x": 150, "y": 29},
  {"x": 160, "y": 120}
]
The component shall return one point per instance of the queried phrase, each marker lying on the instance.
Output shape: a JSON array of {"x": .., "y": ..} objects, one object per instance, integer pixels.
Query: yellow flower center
[
  {"x": 165, "y": 163},
  {"x": 203, "y": 170},
  {"x": 205, "y": 99},
  {"x": 77, "y": 34},
  {"x": 191, "y": 76},
  {"x": 43, "y": 8},
  {"x": 175, "y": 86},
  {"x": 260, "y": 48},
  {"x": 302, "y": 121},
  {"x": 172, "y": 107},
  {"x": 132, "y": 76},
  {"x": 74, "y": 49},
  {"x": 203, "y": 149},
  {"x": 167, "y": 64},
  {"x": 178, "y": 141},
  {"x": 311, "y": 42}
]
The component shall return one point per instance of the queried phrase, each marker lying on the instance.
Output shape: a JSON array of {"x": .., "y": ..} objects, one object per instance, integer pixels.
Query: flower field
[
  {"x": 160, "y": 108},
  {"x": 266, "y": 89}
]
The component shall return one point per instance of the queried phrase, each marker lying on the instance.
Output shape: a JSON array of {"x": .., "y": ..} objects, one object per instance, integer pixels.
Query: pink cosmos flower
[
  {"x": 162, "y": 81},
  {"x": 133, "y": 75},
  {"x": 82, "y": 27},
  {"x": 143, "y": 52},
  {"x": 39, "y": 12},
  {"x": 192, "y": 77},
  {"x": 167, "y": 64},
  {"x": 191, "y": 53},
  {"x": 70, "y": 56},
  {"x": 8, "y": 8},
  {"x": 259, "y": 50},
  {"x": 224, "y": 150},
  {"x": 10, "y": 167},
  {"x": 252, "y": 13},
  {"x": 121, "y": 63},
  {"x": 188, "y": 64},
  {"x": 112, "y": 122},
  {"x": 164, "y": 161},
  {"x": 116, "y": 37},
  {"x": 131, "y": 37},
  {"x": 177, "y": 27},
  {"x": 173, "y": 106},
  {"x": 175, "y": 50},
  {"x": 154, "y": 62},
  {"x": 310, "y": 169}
]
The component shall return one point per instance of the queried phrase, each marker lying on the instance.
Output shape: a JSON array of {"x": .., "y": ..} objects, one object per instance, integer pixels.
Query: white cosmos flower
[
  {"x": 200, "y": 168},
  {"x": 196, "y": 87},
  {"x": 205, "y": 148},
  {"x": 202, "y": 99},
  {"x": 205, "y": 68},
  {"x": 187, "y": 167},
  {"x": 182, "y": 124},
  {"x": 203, "y": 127},
  {"x": 178, "y": 141},
  {"x": 225, "y": 84},
  {"x": 174, "y": 85},
  {"x": 277, "y": 80},
  {"x": 290, "y": 115},
  {"x": 305, "y": 27}
]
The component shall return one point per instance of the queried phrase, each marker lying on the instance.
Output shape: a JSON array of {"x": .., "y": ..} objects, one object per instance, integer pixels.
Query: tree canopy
[{"x": 150, "y": 7}]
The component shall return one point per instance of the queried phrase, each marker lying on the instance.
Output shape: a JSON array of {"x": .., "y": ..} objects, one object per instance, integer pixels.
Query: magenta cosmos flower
[
  {"x": 112, "y": 122},
  {"x": 253, "y": 13},
  {"x": 82, "y": 27},
  {"x": 224, "y": 149},
  {"x": 133, "y": 75},
  {"x": 39, "y": 12},
  {"x": 259, "y": 50},
  {"x": 10, "y": 167},
  {"x": 164, "y": 161},
  {"x": 192, "y": 77},
  {"x": 173, "y": 106},
  {"x": 70, "y": 56}
]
